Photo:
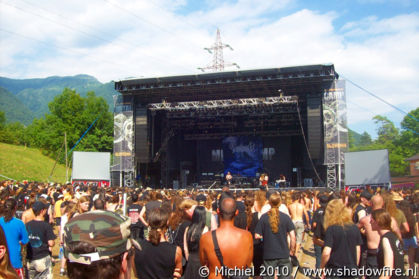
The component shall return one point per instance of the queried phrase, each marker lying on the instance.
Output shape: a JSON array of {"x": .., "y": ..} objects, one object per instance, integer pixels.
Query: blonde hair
[
  {"x": 260, "y": 199},
  {"x": 337, "y": 214},
  {"x": 390, "y": 204},
  {"x": 82, "y": 199},
  {"x": 187, "y": 204},
  {"x": 274, "y": 219}
]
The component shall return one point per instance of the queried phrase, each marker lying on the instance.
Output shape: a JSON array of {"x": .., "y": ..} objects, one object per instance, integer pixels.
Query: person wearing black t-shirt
[
  {"x": 273, "y": 228},
  {"x": 317, "y": 227},
  {"x": 342, "y": 242},
  {"x": 155, "y": 202},
  {"x": 390, "y": 250},
  {"x": 157, "y": 257},
  {"x": 41, "y": 237},
  {"x": 240, "y": 220},
  {"x": 134, "y": 210}
]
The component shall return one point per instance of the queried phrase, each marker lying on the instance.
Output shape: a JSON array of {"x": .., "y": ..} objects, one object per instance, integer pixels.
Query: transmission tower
[{"x": 216, "y": 50}]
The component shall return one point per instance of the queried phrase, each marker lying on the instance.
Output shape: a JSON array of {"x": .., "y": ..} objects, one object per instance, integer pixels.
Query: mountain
[
  {"x": 14, "y": 109},
  {"x": 356, "y": 136},
  {"x": 36, "y": 93}
]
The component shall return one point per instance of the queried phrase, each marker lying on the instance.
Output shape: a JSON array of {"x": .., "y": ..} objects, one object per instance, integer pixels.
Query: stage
[{"x": 190, "y": 130}]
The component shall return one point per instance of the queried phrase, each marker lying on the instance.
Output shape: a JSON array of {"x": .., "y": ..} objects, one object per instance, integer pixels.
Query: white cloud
[{"x": 112, "y": 40}]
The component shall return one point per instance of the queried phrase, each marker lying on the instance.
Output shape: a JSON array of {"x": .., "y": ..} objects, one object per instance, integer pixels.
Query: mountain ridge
[{"x": 33, "y": 95}]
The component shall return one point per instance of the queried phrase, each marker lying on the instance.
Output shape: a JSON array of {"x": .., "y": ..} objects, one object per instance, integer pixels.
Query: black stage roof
[{"x": 237, "y": 84}]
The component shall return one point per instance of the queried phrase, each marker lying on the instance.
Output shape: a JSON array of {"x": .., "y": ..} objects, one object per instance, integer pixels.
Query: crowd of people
[{"x": 202, "y": 234}]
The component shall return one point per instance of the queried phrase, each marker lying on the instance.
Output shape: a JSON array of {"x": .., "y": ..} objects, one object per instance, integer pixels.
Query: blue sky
[{"x": 374, "y": 43}]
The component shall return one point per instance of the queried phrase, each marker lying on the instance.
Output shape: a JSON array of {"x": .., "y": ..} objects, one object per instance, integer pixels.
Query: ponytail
[
  {"x": 9, "y": 209},
  {"x": 154, "y": 236},
  {"x": 274, "y": 219},
  {"x": 249, "y": 201}
]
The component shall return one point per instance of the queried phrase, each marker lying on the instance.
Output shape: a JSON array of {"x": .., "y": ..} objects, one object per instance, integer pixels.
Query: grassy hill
[{"x": 22, "y": 163}]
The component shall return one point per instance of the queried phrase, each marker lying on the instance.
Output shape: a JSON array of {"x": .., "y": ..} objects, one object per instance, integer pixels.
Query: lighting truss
[{"x": 224, "y": 104}]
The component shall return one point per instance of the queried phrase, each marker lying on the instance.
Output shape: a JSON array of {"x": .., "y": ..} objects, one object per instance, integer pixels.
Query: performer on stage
[
  {"x": 229, "y": 178},
  {"x": 263, "y": 180}
]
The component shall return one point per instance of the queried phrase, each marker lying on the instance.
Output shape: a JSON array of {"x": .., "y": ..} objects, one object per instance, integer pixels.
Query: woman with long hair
[
  {"x": 260, "y": 200},
  {"x": 69, "y": 211},
  {"x": 342, "y": 243},
  {"x": 252, "y": 220},
  {"x": 390, "y": 251},
  {"x": 83, "y": 204},
  {"x": 391, "y": 207},
  {"x": 191, "y": 239},
  {"x": 16, "y": 234},
  {"x": 157, "y": 257},
  {"x": 6, "y": 268}
]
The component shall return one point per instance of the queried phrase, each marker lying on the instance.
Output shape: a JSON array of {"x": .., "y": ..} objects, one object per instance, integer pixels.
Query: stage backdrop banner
[
  {"x": 335, "y": 123},
  {"x": 123, "y": 145},
  {"x": 243, "y": 155}
]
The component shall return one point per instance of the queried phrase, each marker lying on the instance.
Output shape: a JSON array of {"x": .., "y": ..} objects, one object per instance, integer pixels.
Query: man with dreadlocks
[{"x": 273, "y": 228}]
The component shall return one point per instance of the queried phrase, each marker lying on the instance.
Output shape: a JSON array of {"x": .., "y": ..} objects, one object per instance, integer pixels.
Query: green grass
[{"x": 20, "y": 163}]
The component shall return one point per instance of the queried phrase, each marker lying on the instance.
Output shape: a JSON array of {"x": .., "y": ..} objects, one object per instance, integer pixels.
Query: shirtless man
[
  {"x": 298, "y": 212},
  {"x": 236, "y": 245},
  {"x": 372, "y": 237}
]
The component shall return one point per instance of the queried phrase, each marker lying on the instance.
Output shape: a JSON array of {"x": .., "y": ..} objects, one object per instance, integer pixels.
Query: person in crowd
[
  {"x": 252, "y": 220},
  {"x": 342, "y": 242},
  {"x": 6, "y": 268},
  {"x": 134, "y": 214},
  {"x": 158, "y": 258},
  {"x": 390, "y": 251},
  {"x": 155, "y": 202},
  {"x": 97, "y": 246},
  {"x": 41, "y": 237},
  {"x": 210, "y": 220},
  {"x": 191, "y": 239},
  {"x": 260, "y": 202},
  {"x": 364, "y": 207},
  {"x": 83, "y": 204},
  {"x": 227, "y": 245},
  {"x": 319, "y": 232},
  {"x": 298, "y": 213},
  {"x": 409, "y": 238},
  {"x": 28, "y": 215},
  {"x": 16, "y": 235},
  {"x": 98, "y": 204},
  {"x": 59, "y": 198},
  {"x": 112, "y": 203},
  {"x": 274, "y": 227},
  {"x": 391, "y": 208},
  {"x": 240, "y": 219}
]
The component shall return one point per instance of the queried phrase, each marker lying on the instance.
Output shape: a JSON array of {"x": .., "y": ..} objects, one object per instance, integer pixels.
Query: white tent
[{"x": 91, "y": 166}]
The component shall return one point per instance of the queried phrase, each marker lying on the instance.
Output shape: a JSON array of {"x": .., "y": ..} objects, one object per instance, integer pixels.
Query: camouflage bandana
[{"x": 107, "y": 231}]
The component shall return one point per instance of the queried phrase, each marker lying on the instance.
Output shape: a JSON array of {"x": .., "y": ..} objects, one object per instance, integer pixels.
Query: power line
[
  {"x": 149, "y": 22},
  {"x": 57, "y": 47},
  {"x": 381, "y": 99}
]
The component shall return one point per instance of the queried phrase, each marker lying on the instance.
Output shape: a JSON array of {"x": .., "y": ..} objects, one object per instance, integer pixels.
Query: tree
[
  {"x": 365, "y": 139},
  {"x": 72, "y": 114},
  {"x": 387, "y": 132}
]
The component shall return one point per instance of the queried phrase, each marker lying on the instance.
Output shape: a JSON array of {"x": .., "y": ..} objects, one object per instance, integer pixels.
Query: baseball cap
[
  {"x": 366, "y": 194},
  {"x": 36, "y": 206},
  {"x": 107, "y": 231}
]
